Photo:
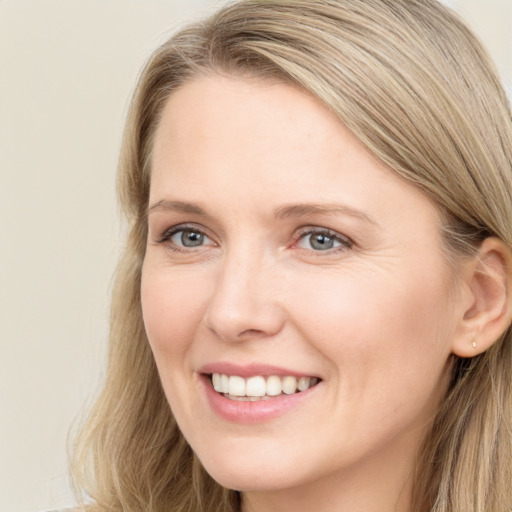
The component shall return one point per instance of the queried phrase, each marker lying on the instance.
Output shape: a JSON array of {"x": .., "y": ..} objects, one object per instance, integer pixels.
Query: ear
[{"x": 487, "y": 310}]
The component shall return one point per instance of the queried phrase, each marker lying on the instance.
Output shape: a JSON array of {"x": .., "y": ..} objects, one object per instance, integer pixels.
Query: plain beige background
[{"x": 66, "y": 72}]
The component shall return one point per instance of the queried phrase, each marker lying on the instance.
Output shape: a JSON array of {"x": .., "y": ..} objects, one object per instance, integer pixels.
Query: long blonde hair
[{"x": 416, "y": 87}]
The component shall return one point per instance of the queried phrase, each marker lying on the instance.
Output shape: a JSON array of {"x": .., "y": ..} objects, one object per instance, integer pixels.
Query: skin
[{"x": 375, "y": 317}]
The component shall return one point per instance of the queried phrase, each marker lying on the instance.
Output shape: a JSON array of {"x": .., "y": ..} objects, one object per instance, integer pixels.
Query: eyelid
[
  {"x": 346, "y": 242},
  {"x": 168, "y": 233}
]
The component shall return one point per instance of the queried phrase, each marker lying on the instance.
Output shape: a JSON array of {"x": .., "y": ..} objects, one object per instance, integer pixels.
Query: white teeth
[
  {"x": 236, "y": 386},
  {"x": 274, "y": 386},
  {"x": 247, "y": 398},
  {"x": 216, "y": 382},
  {"x": 224, "y": 384},
  {"x": 289, "y": 385},
  {"x": 258, "y": 387},
  {"x": 255, "y": 386},
  {"x": 303, "y": 383}
]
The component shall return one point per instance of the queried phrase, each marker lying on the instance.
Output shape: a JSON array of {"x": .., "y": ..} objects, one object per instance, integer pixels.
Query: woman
[{"x": 313, "y": 310}]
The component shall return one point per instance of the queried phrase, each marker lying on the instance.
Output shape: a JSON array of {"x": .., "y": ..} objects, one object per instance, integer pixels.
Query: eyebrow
[
  {"x": 283, "y": 212},
  {"x": 179, "y": 206},
  {"x": 303, "y": 210}
]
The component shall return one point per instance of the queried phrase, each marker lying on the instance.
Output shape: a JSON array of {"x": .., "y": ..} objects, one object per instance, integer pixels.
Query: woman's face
[{"x": 282, "y": 253}]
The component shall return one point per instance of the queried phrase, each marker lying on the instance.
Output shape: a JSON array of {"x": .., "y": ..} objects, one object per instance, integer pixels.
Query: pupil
[
  {"x": 191, "y": 238},
  {"x": 322, "y": 242}
]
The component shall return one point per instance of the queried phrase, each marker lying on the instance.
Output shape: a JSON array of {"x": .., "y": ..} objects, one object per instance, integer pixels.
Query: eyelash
[
  {"x": 168, "y": 234},
  {"x": 345, "y": 243}
]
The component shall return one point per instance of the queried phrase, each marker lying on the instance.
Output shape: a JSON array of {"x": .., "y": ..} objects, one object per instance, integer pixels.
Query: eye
[
  {"x": 185, "y": 237},
  {"x": 188, "y": 238},
  {"x": 323, "y": 240}
]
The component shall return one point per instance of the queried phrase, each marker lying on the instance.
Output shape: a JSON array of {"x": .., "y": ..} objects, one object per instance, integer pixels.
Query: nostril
[{"x": 251, "y": 333}]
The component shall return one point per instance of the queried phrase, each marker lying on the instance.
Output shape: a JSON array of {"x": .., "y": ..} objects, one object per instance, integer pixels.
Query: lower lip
[{"x": 240, "y": 411}]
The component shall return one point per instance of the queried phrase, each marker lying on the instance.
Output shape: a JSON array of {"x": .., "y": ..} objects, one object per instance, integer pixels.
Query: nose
[{"x": 245, "y": 302}]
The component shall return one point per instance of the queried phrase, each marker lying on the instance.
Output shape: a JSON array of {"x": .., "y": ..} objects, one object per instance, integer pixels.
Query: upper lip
[{"x": 250, "y": 370}]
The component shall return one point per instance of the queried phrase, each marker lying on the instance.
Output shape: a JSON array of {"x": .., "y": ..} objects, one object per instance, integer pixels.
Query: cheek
[
  {"x": 172, "y": 311},
  {"x": 172, "y": 308},
  {"x": 385, "y": 346},
  {"x": 374, "y": 327}
]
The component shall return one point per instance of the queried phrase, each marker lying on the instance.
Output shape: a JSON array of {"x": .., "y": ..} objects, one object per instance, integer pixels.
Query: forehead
[
  {"x": 254, "y": 139},
  {"x": 208, "y": 109},
  {"x": 262, "y": 123}
]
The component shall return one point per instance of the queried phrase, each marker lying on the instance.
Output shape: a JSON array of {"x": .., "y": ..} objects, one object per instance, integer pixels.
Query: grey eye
[
  {"x": 320, "y": 241},
  {"x": 189, "y": 238}
]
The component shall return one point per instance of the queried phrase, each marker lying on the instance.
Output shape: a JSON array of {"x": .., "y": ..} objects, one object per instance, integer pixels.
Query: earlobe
[{"x": 489, "y": 306}]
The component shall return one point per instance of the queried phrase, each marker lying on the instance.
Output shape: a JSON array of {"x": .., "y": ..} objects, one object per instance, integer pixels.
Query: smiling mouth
[{"x": 258, "y": 388}]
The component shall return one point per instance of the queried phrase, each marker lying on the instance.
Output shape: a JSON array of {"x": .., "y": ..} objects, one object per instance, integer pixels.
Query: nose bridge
[{"x": 243, "y": 303}]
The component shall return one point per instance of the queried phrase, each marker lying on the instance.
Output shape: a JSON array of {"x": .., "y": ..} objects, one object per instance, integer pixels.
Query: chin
[
  {"x": 240, "y": 471},
  {"x": 249, "y": 480}
]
